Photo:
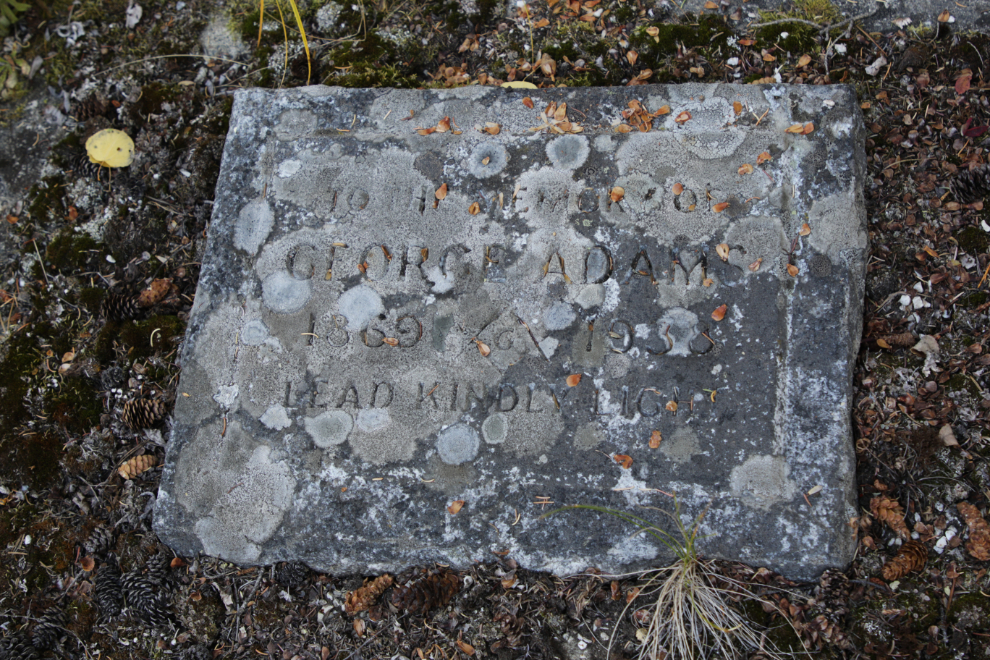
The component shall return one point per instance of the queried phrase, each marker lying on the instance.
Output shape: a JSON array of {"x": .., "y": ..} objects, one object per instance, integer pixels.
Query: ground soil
[{"x": 100, "y": 270}]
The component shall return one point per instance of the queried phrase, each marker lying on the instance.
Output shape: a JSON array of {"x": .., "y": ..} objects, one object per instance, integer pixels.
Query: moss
[
  {"x": 91, "y": 297},
  {"x": 792, "y": 37},
  {"x": 76, "y": 405},
  {"x": 71, "y": 252},
  {"x": 19, "y": 359},
  {"x": 32, "y": 458},
  {"x": 972, "y": 239},
  {"x": 142, "y": 339},
  {"x": 959, "y": 383},
  {"x": 710, "y": 33},
  {"x": 47, "y": 200}
]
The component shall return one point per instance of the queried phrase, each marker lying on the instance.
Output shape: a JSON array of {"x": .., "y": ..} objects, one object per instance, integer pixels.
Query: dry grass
[{"x": 690, "y": 616}]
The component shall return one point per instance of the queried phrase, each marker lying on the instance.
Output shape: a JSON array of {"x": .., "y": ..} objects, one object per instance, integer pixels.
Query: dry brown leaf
[
  {"x": 804, "y": 60},
  {"x": 671, "y": 406},
  {"x": 136, "y": 465},
  {"x": 391, "y": 341},
  {"x": 617, "y": 193},
  {"x": 722, "y": 250},
  {"x": 654, "y": 32},
  {"x": 664, "y": 110},
  {"x": 796, "y": 129},
  {"x": 543, "y": 22},
  {"x": 632, "y": 56},
  {"x": 573, "y": 380},
  {"x": 474, "y": 209},
  {"x": 483, "y": 348},
  {"x": 682, "y": 117},
  {"x": 441, "y": 192},
  {"x": 528, "y": 102},
  {"x": 763, "y": 157},
  {"x": 807, "y": 128},
  {"x": 944, "y": 16},
  {"x": 805, "y": 229},
  {"x": 359, "y": 627},
  {"x": 624, "y": 460},
  {"x": 755, "y": 266},
  {"x": 455, "y": 507},
  {"x": 623, "y": 128},
  {"x": 721, "y": 206},
  {"x": 677, "y": 189},
  {"x": 87, "y": 564},
  {"x": 655, "y": 439},
  {"x": 710, "y": 5},
  {"x": 979, "y": 532},
  {"x": 793, "y": 270},
  {"x": 737, "y": 108},
  {"x": 745, "y": 168},
  {"x": 882, "y": 344},
  {"x": 560, "y": 114},
  {"x": 719, "y": 312},
  {"x": 177, "y": 562},
  {"x": 492, "y": 128},
  {"x": 464, "y": 646}
]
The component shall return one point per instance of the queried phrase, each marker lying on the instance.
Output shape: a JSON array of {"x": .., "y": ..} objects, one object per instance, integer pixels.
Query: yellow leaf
[
  {"x": 745, "y": 168},
  {"x": 455, "y": 506},
  {"x": 624, "y": 460},
  {"x": 719, "y": 312},
  {"x": 441, "y": 192},
  {"x": 722, "y": 249},
  {"x": 519, "y": 84},
  {"x": 655, "y": 439},
  {"x": 110, "y": 148}
]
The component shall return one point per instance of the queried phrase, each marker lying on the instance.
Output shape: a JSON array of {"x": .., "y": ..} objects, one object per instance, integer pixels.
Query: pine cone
[
  {"x": 979, "y": 532},
  {"x": 118, "y": 307},
  {"x": 146, "y": 598},
  {"x": 143, "y": 413},
  {"x": 92, "y": 106},
  {"x": 971, "y": 185},
  {"x": 291, "y": 574},
  {"x": 434, "y": 589},
  {"x": 49, "y": 629},
  {"x": 512, "y": 628},
  {"x": 890, "y": 511},
  {"x": 911, "y": 557},
  {"x": 17, "y": 647},
  {"x": 108, "y": 593},
  {"x": 364, "y": 597},
  {"x": 100, "y": 541}
]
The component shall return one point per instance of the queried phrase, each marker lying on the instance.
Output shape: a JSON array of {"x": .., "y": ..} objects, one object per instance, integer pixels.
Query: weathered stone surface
[{"x": 363, "y": 353}]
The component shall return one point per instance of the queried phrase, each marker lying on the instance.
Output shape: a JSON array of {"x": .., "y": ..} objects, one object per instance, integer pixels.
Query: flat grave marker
[{"x": 425, "y": 318}]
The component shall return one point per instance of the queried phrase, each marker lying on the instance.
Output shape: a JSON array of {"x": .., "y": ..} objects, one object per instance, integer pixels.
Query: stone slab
[{"x": 362, "y": 354}]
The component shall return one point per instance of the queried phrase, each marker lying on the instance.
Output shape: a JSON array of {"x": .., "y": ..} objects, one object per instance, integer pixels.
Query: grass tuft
[{"x": 690, "y": 616}]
